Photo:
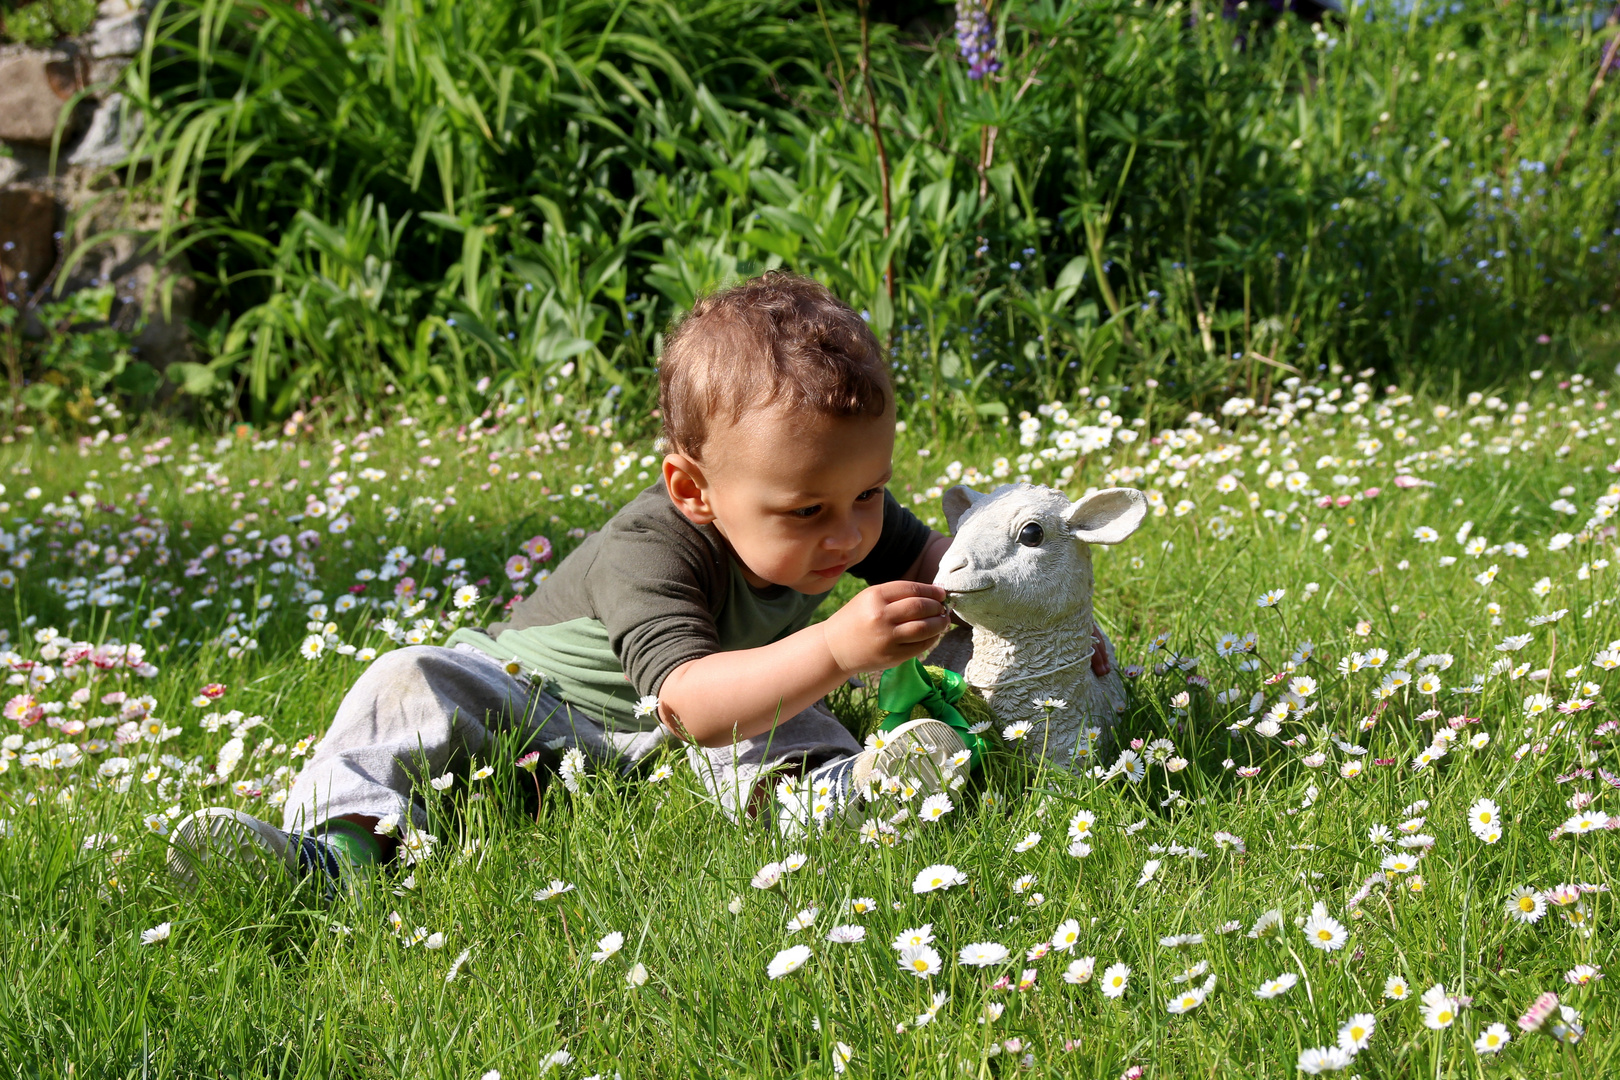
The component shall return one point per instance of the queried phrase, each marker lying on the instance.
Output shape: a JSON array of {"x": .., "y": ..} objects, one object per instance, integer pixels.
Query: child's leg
[
  {"x": 739, "y": 776},
  {"x": 414, "y": 714}
]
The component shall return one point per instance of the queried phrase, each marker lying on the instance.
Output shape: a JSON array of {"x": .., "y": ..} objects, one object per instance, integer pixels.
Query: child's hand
[{"x": 885, "y": 625}]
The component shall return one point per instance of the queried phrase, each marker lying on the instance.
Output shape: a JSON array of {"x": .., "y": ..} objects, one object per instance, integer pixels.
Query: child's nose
[{"x": 847, "y": 535}]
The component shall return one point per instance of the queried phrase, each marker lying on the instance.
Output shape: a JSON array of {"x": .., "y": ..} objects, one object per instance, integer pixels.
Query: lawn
[{"x": 1363, "y": 781}]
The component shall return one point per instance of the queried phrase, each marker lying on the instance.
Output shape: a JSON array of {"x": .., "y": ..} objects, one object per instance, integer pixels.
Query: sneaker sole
[
  {"x": 220, "y": 833},
  {"x": 919, "y": 750}
]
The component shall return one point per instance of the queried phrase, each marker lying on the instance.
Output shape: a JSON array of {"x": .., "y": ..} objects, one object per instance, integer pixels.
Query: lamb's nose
[{"x": 960, "y": 564}]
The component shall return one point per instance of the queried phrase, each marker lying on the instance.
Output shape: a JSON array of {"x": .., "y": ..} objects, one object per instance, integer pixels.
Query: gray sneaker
[
  {"x": 219, "y": 833},
  {"x": 919, "y": 752}
]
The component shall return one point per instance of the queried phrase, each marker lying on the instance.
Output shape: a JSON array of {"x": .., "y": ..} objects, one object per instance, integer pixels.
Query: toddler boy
[{"x": 686, "y": 617}]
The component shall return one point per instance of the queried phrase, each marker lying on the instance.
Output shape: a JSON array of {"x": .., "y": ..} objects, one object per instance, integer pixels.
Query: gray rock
[
  {"x": 120, "y": 36},
  {"x": 105, "y": 72},
  {"x": 106, "y": 140},
  {"x": 11, "y": 170},
  {"x": 34, "y": 87}
]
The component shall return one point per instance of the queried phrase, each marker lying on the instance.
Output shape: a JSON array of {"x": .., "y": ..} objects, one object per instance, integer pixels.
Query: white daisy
[
  {"x": 787, "y": 961},
  {"x": 921, "y": 960},
  {"x": 1321, "y": 1059},
  {"x": 1493, "y": 1039},
  {"x": 1277, "y": 987},
  {"x": 1067, "y": 935},
  {"x": 1356, "y": 1031},
  {"x": 1325, "y": 932},
  {"x": 608, "y": 946},
  {"x": 936, "y": 877},
  {"x": 983, "y": 954},
  {"x": 1116, "y": 980},
  {"x": 1079, "y": 972}
]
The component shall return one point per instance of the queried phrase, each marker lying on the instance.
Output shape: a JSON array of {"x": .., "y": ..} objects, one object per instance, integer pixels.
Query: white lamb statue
[{"x": 1019, "y": 570}]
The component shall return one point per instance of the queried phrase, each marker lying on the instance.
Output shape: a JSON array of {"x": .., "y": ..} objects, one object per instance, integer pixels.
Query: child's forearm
[{"x": 728, "y": 696}]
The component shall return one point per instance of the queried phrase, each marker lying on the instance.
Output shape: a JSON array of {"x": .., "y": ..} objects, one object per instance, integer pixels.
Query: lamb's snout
[{"x": 959, "y": 576}]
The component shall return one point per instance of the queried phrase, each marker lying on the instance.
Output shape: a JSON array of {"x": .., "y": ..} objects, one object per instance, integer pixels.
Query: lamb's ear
[
  {"x": 956, "y": 501},
  {"x": 1107, "y": 516}
]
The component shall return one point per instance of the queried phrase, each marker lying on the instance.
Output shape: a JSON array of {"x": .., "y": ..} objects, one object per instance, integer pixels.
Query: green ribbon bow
[{"x": 901, "y": 689}]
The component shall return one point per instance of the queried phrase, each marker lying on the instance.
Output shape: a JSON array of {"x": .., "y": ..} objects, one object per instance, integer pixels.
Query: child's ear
[{"x": 683, "y": 479}]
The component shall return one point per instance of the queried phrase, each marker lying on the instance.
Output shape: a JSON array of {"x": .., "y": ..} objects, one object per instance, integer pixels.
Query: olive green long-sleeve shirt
[{"x": 651, "y": 591}]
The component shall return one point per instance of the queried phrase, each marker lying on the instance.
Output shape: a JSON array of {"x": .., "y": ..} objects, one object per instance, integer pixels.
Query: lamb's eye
[{"x": 1031, "y": 535}]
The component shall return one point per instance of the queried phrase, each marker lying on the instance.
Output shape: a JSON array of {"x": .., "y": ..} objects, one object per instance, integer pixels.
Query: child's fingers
[
  {"x": 892, "y": 591},
  {"x": 921, "y": 647},
  {"x": 913, "y": 608},
  {"x": 922, "y": 629}
]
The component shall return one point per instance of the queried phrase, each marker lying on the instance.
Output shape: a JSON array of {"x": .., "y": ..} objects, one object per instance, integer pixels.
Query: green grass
[{"x": 255, "y": 981}]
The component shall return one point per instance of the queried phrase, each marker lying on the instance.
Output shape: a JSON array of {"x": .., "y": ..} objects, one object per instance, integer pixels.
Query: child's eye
[
  {"x": 867, "y": 495},
  {"x": 807, "y": 512}
]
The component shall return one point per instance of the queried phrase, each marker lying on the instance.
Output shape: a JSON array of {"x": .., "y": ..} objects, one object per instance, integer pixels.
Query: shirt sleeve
[
  {"x": 655, "y": 593},
  {"x": 903, "y": 539}
]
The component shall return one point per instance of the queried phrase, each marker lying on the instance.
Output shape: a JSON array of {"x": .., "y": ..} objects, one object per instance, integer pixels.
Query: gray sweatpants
[{"x": 418, "y": 712}]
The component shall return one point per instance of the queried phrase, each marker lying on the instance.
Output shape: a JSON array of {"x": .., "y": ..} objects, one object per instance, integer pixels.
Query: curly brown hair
[{"x": 777, "y": 338}]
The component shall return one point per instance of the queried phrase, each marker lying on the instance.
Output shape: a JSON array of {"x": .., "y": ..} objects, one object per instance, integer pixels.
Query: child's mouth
[{"x": 831, "y": 571}]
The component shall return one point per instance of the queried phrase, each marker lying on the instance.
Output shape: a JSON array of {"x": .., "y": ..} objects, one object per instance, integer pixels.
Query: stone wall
[{"x": 70, "y": 93}]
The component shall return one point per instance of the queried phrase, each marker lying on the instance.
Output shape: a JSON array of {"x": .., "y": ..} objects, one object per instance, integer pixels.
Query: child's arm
[
  {"x": 927, "y": 566},
  {"x": 735, "y": 695}
]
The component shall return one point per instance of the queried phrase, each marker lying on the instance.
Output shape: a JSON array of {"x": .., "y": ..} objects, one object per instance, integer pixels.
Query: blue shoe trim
[
  {"x": 840, "y": 772},
  {"x": 315, "y": 856}
]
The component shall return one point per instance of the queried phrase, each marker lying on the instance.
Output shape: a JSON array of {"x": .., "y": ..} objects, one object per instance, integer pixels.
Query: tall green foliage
[
  {"x": 44, "y": 21},
  {"x": 428, "y": 193}
]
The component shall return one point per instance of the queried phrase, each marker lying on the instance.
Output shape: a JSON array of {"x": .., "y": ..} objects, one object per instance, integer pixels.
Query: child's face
[{"x": 798, "y": 496}]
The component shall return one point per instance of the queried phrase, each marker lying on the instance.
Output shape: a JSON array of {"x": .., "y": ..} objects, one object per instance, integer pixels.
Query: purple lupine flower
[{"x": 975, "y": 39}]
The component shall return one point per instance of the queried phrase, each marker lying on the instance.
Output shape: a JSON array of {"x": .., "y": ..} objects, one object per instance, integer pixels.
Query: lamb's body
[
  {"x": 1007, "y": 671},
  {"x": 1030, "y": 605}
]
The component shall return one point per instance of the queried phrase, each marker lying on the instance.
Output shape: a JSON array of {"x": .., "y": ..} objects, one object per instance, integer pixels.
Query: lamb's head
[{"x": 1020, "y": 556}]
